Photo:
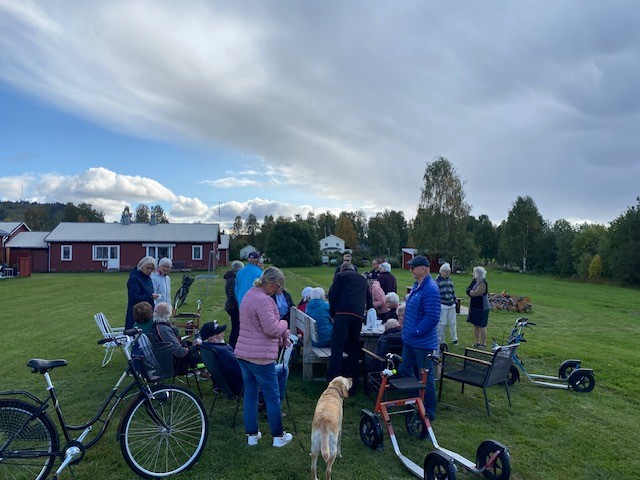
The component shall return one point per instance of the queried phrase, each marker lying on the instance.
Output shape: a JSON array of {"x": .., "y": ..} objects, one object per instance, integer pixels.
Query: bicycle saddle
[{"x": 39, "y": 365}]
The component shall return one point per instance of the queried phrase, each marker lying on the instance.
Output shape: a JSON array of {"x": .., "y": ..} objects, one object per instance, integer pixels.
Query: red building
[
  {"x": 30, "y": 246},
  {"x": 9, "y": 230}
]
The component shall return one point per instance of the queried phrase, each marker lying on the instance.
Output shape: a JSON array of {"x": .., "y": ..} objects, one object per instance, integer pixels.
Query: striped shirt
[{"x": 447, "y": 294}]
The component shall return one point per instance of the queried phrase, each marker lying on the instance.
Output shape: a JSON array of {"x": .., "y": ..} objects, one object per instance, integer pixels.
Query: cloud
[{"x": 231, "y": 182}]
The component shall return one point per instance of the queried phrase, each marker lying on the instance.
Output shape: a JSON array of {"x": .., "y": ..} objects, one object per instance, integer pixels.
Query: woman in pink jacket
[{"x": 262, "y": 333}]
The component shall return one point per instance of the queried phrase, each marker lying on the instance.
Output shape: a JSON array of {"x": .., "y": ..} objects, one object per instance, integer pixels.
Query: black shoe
[{"x": 455, "y": 342}]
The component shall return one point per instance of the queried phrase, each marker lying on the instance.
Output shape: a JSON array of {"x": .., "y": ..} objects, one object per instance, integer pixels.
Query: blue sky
[{"x": 289, "y": 107}]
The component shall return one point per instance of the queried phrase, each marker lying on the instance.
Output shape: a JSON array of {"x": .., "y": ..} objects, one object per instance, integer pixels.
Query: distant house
[
  {"x": 223, "y": 250},
  {"x": 119, "y": 246},
  {"x": 8, "y": 230},
  {"x": 29, "y": 245},
  {"x": 246, "y": 250},
  {"x": 409, "y": 253},
  {"x": 331, "y": 243}
]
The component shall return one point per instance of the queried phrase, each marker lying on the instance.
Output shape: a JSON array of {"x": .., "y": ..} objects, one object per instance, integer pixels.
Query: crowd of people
[{"x": 259, "y": 307}]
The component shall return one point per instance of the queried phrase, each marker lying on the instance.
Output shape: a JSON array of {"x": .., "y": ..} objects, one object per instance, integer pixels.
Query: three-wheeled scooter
[{"x": 492, "y": 457}]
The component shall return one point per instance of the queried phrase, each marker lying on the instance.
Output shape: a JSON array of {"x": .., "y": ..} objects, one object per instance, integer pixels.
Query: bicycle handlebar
[{"x": 127, "y": 333}]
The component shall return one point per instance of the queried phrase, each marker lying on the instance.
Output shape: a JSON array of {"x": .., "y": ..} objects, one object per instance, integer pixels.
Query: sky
[{"x": 215, "y": 109}]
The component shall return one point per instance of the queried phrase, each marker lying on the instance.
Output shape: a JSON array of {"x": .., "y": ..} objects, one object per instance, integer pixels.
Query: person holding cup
[{"x": 140, "y": 287}]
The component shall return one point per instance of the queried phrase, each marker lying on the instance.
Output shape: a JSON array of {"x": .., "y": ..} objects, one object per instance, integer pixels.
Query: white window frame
[
  {"x": 193, "y": 252},
  {"x": 156, "y": 246},
  {"x": 62, "y": 255},
  {"x": 94, "y": 253}
]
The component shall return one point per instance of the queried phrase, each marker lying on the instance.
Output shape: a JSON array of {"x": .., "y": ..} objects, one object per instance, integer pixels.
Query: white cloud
[{"x": 231, "y": 182}]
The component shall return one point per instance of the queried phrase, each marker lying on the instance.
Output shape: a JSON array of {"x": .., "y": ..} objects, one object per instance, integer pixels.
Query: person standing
[
  {"x": 231, "y": 303},
  {"x": 478, "y": 291},
  {"x": 162, "y": 282},
  {"x": 447, "y": 304},
  {"x": 246, "y": 276},
  {"x": 346, "y": 258},
  {"x": 349, "y": 299},
  {"x": 261, "y": 334},
  {"x": 375, "y": 268},
  {"x": 387, "y": 280},
  {"x": 140, "y": 287},
  {"x": 420, "y": 329}
]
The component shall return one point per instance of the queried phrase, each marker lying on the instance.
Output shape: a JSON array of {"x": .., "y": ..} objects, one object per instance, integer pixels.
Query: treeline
[{"x": 44, "y": 217}]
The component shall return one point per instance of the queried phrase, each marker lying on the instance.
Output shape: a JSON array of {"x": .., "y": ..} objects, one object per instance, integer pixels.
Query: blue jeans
[
  {"x": 263, "y": 378},
  {"x": 413, "y": 360}
]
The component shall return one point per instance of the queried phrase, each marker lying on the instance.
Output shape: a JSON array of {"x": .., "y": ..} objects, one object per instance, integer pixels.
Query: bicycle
[
  {"x": 163, "y": 430},
  {"x": 181, "y": 295}
]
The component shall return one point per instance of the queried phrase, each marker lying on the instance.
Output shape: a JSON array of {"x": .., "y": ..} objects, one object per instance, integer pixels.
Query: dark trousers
[
  {"x": 235, "y": 326},
  {"x": 345, "y": 339}
]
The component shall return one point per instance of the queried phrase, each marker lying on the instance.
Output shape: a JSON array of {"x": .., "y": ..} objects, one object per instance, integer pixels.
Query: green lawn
[{"x": 551, "y": 433}]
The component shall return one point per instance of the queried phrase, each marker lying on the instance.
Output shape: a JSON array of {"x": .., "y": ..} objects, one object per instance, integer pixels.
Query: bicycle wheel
[
  {"x": 32, "y": 451},
  {"x": 153, "y": 451}
]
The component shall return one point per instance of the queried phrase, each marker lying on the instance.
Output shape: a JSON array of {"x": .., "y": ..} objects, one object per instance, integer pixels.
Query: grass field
[{"x": 552, "y": 434}]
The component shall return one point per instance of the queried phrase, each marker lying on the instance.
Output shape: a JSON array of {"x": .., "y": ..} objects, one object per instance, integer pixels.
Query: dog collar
[{"x": 332, "y": 387}]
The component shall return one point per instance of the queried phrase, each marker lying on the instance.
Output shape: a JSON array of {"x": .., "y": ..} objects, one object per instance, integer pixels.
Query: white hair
[
  {"x": 393, "y": 298},
  {"x": 479, "y": 272},
  {"x": 391, "y": 323},
  {"x": 445, "y": 267},
  {"x": 385, "y": 267},
  {"x": 162, "y": 312},
  {"x": 144, "y": 261},
  {"x": 306, "y": 293},
  {"x": 165, "y": 262},
  {"x": 317, "y": 293}
]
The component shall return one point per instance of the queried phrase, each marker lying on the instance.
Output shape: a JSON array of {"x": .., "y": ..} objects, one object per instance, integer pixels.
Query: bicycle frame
[{"x": 74, "y": 448}]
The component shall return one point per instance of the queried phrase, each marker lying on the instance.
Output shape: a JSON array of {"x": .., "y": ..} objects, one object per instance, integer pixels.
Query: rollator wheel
[
  {"x": 501, "y": 468},
  {"x": 567, "y": 367},
  {"x": 415, "y": 425},
  {"x": 370, "y": 432},
  {"x": 582, "y": 381},
  {"x": 439, "y": 467},
  {"x": 514, "y": 375}
]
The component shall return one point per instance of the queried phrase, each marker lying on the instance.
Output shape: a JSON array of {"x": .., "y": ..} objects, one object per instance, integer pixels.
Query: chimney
[
  {"x": 152, "y": 219},
  {"x": 126, "y": 219}
]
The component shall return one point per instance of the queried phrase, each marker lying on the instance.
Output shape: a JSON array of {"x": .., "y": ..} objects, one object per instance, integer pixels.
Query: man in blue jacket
[
  {"x": 246, "y": 275},
  {"x": 420, "y": 330}
]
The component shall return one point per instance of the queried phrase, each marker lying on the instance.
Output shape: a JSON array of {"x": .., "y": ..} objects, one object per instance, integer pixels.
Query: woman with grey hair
[
  {"x": 447, "y": 305},
  {"x": 140, "y": 287},
  {"x": 231, "y": 303},
  {"x": 478, "y": 292},
  {"x": 387, "y": 280},
  {"x": 392, "y": 301},
  {"x": 318, "y": 309},
  {"x": 262, "y": 333},
  {"x": 161, "y": 280},
  {"x": 185, "y": 355}
]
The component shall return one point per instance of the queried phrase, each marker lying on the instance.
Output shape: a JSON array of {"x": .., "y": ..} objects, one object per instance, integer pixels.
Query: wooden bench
[{"x": 310, "y": 355}]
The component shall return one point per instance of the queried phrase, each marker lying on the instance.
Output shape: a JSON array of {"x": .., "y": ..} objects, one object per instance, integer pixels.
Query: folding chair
[
  {"x": 220, "y": 386},
  {"x": 107, "y": 332}
]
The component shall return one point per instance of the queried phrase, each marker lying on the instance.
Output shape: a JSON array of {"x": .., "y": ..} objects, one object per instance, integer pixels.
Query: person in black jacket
[
  {"x": 284, "y": 302},
  {"x": 349, "y": 299},
  {"x": 231, "y": 304}
]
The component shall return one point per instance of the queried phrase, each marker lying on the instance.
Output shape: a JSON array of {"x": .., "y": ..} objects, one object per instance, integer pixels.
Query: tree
[
  {"x": 126, "y": 212},
  {"x": 252, "y": 227},
  {"x": 565, "y": 234},
  {"x": 142, "y": 214},
  {"x": 293, "y": 244},
  {"x": 313, "y": 223},
  {"x": 82, "y": 213},
  {"x": 236, "y": 230},
  {"x": 440, "y": 226},
  {"x": 346, "y": 231},
  {"x": 623, "y": 250},
  {"x": 265, "y": 231},
  {"x": 326, "y": 224},
  {"x": 158, "y": 211},
  {"x": 37, "y": 219},
  {"x": 523, "y": 225},
  {"x": 486, "y": 239}
]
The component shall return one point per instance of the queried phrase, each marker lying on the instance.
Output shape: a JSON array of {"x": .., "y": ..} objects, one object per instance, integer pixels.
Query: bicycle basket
[{"x": 152, "y": 360}]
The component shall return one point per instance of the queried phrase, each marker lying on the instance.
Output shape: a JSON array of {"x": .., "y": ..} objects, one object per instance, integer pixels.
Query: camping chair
[
  {"x": 107, "y": 332},
  {"x": 189, "y": 323},
  {"x": 220, "y": 386},
  {"x": 478, "y": 368}
]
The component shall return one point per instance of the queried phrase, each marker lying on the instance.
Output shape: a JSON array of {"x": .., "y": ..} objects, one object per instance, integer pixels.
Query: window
[
  {"x": 65, "y": 252},
  {"x": 159, "y": 251},
  {"x": 326, "y": 244},
  {"x": 196, "y": 252},
  {"x": 100, "y": 252}
]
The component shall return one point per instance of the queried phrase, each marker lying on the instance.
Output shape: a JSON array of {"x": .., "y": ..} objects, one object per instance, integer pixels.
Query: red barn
[
  {"x": 8, "y": 230},
  {"x": 30, "y": 245}
]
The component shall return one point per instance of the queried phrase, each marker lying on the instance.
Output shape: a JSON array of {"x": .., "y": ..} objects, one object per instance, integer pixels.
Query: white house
[{"x": 332, "y": 243}]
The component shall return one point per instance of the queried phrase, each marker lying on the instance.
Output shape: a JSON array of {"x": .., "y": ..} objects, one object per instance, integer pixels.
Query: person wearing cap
[
  {"x": 231, "y": 303},
  {"x": 212, "y": 336},
  {"x": 247, "y": 275},
  {"x": 161, "y": 281},
  {"x": 420, "y": 329}
]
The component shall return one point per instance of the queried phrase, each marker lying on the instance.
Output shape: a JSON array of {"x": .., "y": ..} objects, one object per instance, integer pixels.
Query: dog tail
[{"x": 325, "y": 448}]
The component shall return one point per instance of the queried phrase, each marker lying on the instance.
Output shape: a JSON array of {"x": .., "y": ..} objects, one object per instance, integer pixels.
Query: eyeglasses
[{"x": 280, "y": 287}]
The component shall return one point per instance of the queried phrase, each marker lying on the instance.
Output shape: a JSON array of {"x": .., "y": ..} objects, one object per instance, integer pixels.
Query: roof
[
  {"x": 9, "y": 227},
  {"x": 134, "y": 232},
  {"x": 331, "y": 236},
  {"x": 224, "y": 242},
  {"x": 410, "y": 251},
  {"x": 28, "y": 240}
]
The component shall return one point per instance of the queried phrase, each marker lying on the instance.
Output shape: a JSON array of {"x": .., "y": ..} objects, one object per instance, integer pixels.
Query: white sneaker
[
  {"x": 252, "y": 440},
  {"x": 283, "y": 440}
]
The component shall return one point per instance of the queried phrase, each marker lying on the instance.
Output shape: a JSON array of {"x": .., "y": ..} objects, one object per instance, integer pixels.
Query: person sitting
[
  {"x": 318, "y": 309},
  {"x": 284, "y": 302},
  {"x": 389, "y": 341},
  {"x": 212, "y": 336},
  {"x": 305, "y": 299},
  {"x": 143, "y": 316},
  {"x": 392, "y": 301},
  {"x": 400, "y": 313},
  {"x": 185, "y": 356}
]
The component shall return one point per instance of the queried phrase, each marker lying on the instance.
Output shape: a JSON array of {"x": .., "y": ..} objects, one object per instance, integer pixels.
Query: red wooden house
[
  {"x": 32, "y": 247},
  {"x": 8, "y": 230}
]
